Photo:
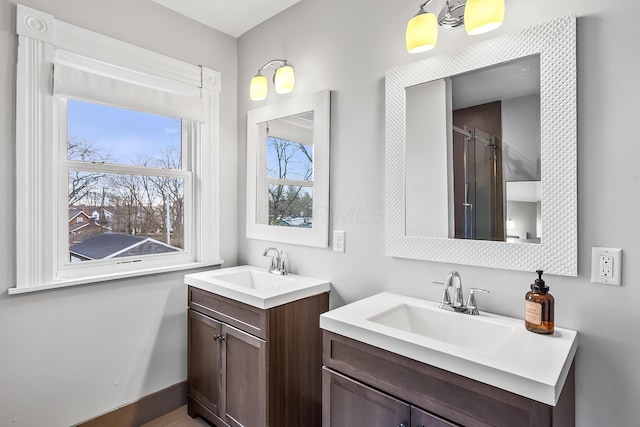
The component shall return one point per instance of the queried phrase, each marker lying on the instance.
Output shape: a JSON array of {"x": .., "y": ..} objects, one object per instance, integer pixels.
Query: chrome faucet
[
  {"x": 278, "y": 261},
  {"x": 457, "y": 304}
]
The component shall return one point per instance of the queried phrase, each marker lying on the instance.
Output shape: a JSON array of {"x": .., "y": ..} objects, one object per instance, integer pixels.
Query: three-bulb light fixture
[
  {"x": 478, "y": 16},
  {"x": 283, "y": 80}
]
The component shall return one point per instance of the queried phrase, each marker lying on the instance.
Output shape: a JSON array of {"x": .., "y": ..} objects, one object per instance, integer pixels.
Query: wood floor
[{"x": 177, "y": 418}]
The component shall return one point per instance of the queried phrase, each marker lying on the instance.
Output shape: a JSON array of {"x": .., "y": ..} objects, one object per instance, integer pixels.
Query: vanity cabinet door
[
  {"x": 350, "y": 403},
  {"x": 244, "y": 370},
  {"x": 420, "y": 418},
  {"x": 204, "y": 357}
]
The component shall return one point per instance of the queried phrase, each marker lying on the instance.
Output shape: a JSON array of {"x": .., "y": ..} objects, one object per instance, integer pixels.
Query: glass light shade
[
  {"x": 422, "y": 33},
  {"x": 482, "y": 16},
  {"x": 284, "y": 79},
  {"x": 258, "y": 88}
]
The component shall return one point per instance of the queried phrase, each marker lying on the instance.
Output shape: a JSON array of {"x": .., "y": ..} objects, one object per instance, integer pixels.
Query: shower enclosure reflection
[{"x": 477, "y": 181}]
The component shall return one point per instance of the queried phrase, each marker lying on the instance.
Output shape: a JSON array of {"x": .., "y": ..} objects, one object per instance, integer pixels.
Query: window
[
  {"x": 288, "y": 176},
  {"x": 122, "y": 153},
  {"x": 128, "y": 164}
]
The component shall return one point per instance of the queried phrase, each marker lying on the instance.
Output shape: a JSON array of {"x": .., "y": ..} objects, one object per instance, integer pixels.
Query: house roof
[
  {"x": 88, "y": 211},
  {"x": 92, "y": 209},
  {"x": 74, "y": 212},
  {"x": 78, "y": 225},
  {"x": 114, "y": 245}
]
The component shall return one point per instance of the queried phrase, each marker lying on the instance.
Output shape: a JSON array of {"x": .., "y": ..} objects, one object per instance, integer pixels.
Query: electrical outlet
[
  {"x": 338, "y": 241},
  {"x": 606, "y": 266}
]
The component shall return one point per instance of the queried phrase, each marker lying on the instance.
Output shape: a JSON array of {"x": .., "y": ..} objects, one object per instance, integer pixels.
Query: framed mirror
[
  {"x": 288, "y": 171},
  {"x": 491, "y": 125},
  {"x": 481, "y": 153}
]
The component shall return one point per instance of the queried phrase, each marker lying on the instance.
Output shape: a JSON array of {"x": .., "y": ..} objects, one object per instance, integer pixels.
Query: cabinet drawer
[{"x": 244, "y": 317}]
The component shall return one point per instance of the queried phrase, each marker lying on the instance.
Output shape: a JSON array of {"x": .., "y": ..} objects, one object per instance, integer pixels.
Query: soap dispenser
[{"x": 539, "y": 306}]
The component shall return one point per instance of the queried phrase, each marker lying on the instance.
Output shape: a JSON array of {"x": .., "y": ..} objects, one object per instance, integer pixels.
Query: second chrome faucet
[
  {"x": 279, "y": 261},
  {"x": 457, "y": 303}
]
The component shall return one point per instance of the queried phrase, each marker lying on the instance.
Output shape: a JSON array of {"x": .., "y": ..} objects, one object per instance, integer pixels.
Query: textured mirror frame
[
  {"x": 555, "y": 42},
  {"x": 318, "y": 234}
]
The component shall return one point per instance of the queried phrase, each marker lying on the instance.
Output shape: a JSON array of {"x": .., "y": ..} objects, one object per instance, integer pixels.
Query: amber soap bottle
[{"x": 538, "y": 313}]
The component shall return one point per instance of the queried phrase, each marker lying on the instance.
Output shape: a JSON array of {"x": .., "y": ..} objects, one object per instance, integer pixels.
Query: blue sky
[
  {"x": 298, "y": 164},
  {"x": 126, "y": 135}
]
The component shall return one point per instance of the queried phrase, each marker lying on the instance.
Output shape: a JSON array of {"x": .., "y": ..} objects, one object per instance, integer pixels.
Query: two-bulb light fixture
[
  {"x": 283, "y": 80},
  {"x": 478, "y": 16}
]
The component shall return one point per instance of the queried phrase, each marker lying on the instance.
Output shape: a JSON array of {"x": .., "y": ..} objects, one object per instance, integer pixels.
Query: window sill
[{"x": 107, "y": 277}]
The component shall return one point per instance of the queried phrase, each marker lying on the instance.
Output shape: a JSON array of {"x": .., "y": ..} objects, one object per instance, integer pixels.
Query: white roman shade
[
  {"x": 58, "y": 61},
  {"x": 82, "y": 78}
]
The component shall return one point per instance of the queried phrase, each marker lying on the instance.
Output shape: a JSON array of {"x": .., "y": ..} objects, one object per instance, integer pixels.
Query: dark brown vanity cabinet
[
  {"x": 249, "y": 367},
  {"x": 367, "y": 386},
  {"x": 236, "y": 361}
]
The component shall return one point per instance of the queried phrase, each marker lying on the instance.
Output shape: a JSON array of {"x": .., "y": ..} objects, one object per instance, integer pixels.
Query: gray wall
[
  {"x": 347, "y": 46},
  {"x": 69, "y": 355},
  {"x": 426, "y": 116},
  {"x": 524, "y": 215},
  {"x": 521, "y": 138}
]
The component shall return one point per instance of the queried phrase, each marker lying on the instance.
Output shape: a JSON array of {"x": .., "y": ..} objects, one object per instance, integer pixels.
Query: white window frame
[{"x": 42, "y": 260}]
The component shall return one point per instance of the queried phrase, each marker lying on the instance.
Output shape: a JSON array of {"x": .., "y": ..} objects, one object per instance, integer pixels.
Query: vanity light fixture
[
  {"x": 478, "y": 16},
  {"x": 482, "y": 16},
  {"x": 422, "y": 31},
  {"x": 283, "y": 80}
]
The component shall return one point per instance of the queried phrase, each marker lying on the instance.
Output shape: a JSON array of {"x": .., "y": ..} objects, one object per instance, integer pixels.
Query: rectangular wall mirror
[
  {"x": 481, "y": 153},
  {"x": 288, "y": 171},
  {"x": 491, "y": 125}
]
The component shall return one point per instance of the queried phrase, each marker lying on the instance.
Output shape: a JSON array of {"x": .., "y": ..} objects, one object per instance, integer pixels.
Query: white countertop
[
  {"x": 525, "y": 363},
  {"x": 268, "y": 291}
]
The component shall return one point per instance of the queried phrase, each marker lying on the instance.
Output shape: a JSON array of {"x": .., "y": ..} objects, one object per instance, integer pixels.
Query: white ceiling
[{"x": 233, "y": 17}]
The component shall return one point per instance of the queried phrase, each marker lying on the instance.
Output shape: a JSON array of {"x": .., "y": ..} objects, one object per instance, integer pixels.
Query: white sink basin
[
  {"x": 489, "y": 348},
  {"x": 471, "y": 332},
  {"x": 253, "y": 279},
  {"x": 256, "y": 286}
]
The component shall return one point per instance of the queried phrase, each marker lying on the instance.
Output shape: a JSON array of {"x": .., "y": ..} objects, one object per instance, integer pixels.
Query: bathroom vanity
[
  {"x": 255, "y": 348},
  {"x": 391, "y": 360}
]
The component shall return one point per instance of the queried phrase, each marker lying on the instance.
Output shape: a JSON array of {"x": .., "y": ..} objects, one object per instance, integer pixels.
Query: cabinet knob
[{"x": 219, "y": 337}]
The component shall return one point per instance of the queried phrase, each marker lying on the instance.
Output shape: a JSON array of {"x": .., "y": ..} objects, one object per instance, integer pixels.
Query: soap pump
[{"x": 539, "y": 306}]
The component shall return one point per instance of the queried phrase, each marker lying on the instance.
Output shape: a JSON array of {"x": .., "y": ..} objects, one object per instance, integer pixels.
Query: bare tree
[
  {"x": 83, "y": 185},
  {"x": 286, "y": 200},
  {"x": 145, "y": 205}
]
